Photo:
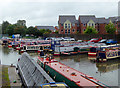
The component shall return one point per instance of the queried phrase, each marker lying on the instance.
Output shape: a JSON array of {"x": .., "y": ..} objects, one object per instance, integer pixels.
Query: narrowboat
[
  {"x": 5, "y": 42},
  {"x": 108, "y": 53},
  {"x": 62, "y": 73},
  {"x": 93, "y": 51},
  {"x": 36, "y": 48}
]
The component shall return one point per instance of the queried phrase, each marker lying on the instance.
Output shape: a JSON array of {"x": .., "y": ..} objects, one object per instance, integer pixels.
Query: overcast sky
[{"x": 46, "y": 12}]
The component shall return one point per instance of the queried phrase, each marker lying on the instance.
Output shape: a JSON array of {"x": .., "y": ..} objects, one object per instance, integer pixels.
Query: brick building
[{"x": 68, "y": 24}]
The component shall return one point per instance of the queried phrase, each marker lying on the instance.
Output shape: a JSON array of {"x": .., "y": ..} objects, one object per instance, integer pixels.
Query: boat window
[
  {"x": 41, "y": 48},
  {"x": 92, "y": 49},
  {"x": 24, "y": 47}
]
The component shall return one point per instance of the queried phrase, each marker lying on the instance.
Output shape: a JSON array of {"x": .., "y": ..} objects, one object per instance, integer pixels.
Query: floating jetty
[{"x": 31, "y": 73}]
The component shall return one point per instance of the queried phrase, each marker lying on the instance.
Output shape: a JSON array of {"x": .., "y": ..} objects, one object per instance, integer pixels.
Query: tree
[
  {"x": 33, "y": 31},
  {"x": 10, "y": 29},
  {"x": 5, "y": 24},
  {"x": 30, "y": 30},
  {"x": 47, "y": 31},
  {"x": 110, "y": 28},
  {"x": 20, "y": 30},
  {"x": 56, "y": 32},
  {"x": 90, "y": 30}
]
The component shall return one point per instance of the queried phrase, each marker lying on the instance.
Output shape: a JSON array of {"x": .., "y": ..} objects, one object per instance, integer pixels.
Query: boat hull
[{"x": 92, "y": 53}]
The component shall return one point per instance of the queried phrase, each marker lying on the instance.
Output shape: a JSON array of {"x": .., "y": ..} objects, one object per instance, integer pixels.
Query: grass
[{"x": 5, "y": 77}]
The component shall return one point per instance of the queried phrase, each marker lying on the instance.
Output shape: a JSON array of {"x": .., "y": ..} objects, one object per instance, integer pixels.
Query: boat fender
[
  {"x": 67, "y": 70},
  {"x": 18, "y": 59},
  {"x": 73, "y": 74},
  {"x": 54, "y": 77}
]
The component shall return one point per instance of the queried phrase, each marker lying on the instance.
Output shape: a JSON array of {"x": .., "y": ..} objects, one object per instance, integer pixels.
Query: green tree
[
  {"x": 56, "y": 32},
  {"x": 30, "y": 30},
  {"x": 33, "y": 31},
  {"x": 90, "y": 30},
  {"x": 10, "y": 29},
  {"x": 5, "y": 24},
  {"x": 47, "y": 31},
  {"x": 110, "y": 28}
]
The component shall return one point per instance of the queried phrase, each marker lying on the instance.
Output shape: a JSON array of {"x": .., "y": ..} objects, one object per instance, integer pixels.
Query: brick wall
[{"x": 86, "y": 36}]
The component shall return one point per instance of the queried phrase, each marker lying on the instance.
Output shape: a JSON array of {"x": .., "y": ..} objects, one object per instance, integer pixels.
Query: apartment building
[{"x": 67, "y": 24}]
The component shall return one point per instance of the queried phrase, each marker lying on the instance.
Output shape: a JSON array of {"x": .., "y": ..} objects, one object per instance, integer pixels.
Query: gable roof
[
  {"x": 71, "y": 18},
  {"x": 86, "y": 18},
  {"x": 46, "y": 27}
]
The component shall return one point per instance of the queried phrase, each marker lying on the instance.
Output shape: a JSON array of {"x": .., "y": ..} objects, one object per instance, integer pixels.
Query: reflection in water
[
  {"x": 110, "y": 65},
  {"x": 5, "y": 50},
  {"x": 76, "y": 58}
]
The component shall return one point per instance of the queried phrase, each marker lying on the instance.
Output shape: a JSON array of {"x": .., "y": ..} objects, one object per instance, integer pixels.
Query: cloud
[{"x": 47, "y": 13}]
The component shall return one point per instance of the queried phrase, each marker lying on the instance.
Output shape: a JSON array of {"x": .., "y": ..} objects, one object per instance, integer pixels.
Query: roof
[
  {"x": 113, "y": 19},
  {"x": 46, "y": 27},
  {"x": 86, "y": 18},
  {"x": 71, "y": 18},
  {"x": 102, "y": 20}
]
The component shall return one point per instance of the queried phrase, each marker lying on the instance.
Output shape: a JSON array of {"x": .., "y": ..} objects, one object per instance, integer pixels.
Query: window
[
  {"x": 73, "y": 30},
  {"x": 68, "y": 25},
  {"x": 84, "y": 24},
  {"x": 65, "y": 31},
  {"x": 92, "y": 25},
  {"x": 83, "y": 29},
  {"x": 77, "y": 30},
  {"x": 118, "y": 25},
  {"x": 69, "y": 31},
  {"x": 62, "y": 30},
  {"x": 98, "y": 30},
  {"x": 65, "y": 25},
  {"x": 89, "y": 24},
  {"x": 73, "y": 24}
]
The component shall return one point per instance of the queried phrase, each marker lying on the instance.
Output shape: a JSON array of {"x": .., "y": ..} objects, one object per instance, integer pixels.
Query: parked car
[
  {"x": 111, "y": 41},
  {"x": 95, "y": 40},
  {"x": 103, "y": 41}
]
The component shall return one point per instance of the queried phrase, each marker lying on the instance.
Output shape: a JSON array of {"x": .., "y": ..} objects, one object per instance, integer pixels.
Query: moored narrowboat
[
  {"x": 35, "y": 48},
  {"x": 62, "y": 73},
  {"x": 108, "y": 53}
]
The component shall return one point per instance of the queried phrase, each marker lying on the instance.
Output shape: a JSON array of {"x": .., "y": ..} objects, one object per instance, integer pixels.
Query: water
[{"x": 107, "y": 72}]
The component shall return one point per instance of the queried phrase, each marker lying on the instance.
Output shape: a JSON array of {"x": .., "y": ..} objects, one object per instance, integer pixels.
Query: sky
[{"x": 46, "y": 12}]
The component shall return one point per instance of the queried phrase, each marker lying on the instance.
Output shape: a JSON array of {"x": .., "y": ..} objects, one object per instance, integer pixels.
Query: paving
[{"x": 14, "y": 77}]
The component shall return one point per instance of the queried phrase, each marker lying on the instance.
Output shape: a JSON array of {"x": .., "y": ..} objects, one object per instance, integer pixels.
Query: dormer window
[
  {"x": 92, "y": 25},
  {"x": 65, "y": 25},
  {"x": 89, "y": 24},
  {"x": 68, "y": 25}
]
